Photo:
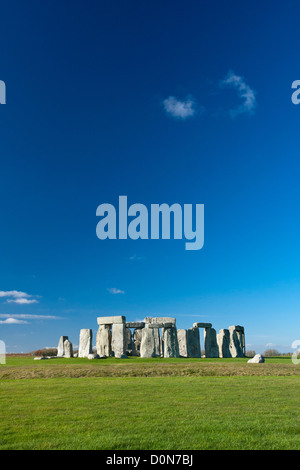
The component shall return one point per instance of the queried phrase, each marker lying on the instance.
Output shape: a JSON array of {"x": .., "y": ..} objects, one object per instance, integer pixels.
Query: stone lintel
[
  {"x": 160, "y": 325},
  {"x": 202, "y": 325},
  {"x": 111, "y": 320},
  {"x": 135, "y": 324},
  {"x": 160, "y": 320}
]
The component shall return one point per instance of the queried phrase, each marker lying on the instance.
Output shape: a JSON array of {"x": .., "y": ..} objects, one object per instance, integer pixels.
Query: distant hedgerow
[{"x": 45, "y": 352}]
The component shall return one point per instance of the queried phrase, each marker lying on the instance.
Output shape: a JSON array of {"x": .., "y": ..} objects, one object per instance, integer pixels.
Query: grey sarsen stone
[{"x": 85, "y": 343}]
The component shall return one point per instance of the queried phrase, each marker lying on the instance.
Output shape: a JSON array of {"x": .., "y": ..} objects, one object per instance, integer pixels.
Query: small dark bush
[{"x": 250, "y": 353}]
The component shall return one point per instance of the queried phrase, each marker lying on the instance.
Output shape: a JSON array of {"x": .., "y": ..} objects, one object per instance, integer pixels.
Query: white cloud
[
  {"x": 114, "y": 291},
  {"x": 17, "y": 297},
  {"x": 136, "y": 258},
  {"x": 13, "y": 293},
  {"x": 26, "y": 316},
  {"x": 180, "y": 109},
  {"x": 22, "y": 301},
  {"x": 12, "y": 321},
  {"x": 244, "y": 92}
]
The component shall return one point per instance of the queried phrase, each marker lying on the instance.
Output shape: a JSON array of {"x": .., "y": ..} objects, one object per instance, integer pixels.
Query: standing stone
[
  {"x": 210, "y": 343},
  {"x": 85, "y": 343},
  {"x": 162, "y": 342},
  {"x": 182, "y": 342},
  {"x": 118, "y": 340},
  {"x": 127, "y": 338},
  {"x": 171, "y": 348},
  {"x": 60, "y": 347},
  {"x": 137, "y": 338},
  {"x": 68, "y": 348},
  {"x": 236, "y": 342},
  {"x": 240, "y": 332},
  {"x": 244, "y": 344},
  {"x": 156, "y": 342},
  {"x": 241, "y": 337},
  {"x": 148, "y": 343},
  {"x": 193, "y": 342},
  {"x": 223, "y": 340},
  {"x": 103, "y": 341},
  {"x": 129, "y": 342}
]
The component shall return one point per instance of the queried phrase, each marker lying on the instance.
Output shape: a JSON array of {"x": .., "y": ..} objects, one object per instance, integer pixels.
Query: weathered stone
[
  {"x": 239, "y": 328},
  {"x": 160, "y": 325},
  {"x": 162, "y": 320},
  {"x": 68, "y": 348},
  {"x": 162, "y": 342},
  {"x": 210, "y": 343},
  {"x": 193, "y": 342},
  {"x": 241, "y": 338},
  {"x": 129, "y": 343},
  {"x": 223, "y": 340},
  {"x": 118, "y": 340},
  {"x": 148, "y": 343},
  {"x": 93, "y": 356},
  {"x": 137, "y": 338},
  {"x": 243, "y": 343},
  {"x": 257, "y": 359},
  {"x": 127, "y": 337},
  {"x": 135, "y": 324},
  {"x": 85, "y": 343},
  {"x": 60, "y": 347},
  {"x": 103, "y": 341},
  {"x": 236, "y": 342},
  {"x": 182, "y": 342},
  {"x": 111, "y": 320},
  {"x": 156, "y": 342},
  {"x": 171, "y": 348},
  {"x": 202, "y": 325}
]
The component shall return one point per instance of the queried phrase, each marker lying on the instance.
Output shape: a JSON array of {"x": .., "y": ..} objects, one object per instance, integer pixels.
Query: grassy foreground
[{"x": 174, "y": 411}]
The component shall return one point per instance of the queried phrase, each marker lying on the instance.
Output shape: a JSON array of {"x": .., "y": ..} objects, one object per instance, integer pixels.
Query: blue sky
[{"x": 165, "y": 102}]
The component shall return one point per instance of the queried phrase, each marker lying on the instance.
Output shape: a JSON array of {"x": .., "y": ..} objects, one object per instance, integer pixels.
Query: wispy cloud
[
  {"x": 270, "y": 345},
  {"x": 114, "y": 291},
  {"x": 13, "y": 293},
  {"x": 136, "y": 258},
  {"x": 12, "y": 321},
  {"x": 244, "y": 92},
  {"x": 20, "y": 319},
  {"x": 22, "y": 301},
  {"x": 25, "y": 316},
  {"x": 18, "y": 297},
  {"x": 180, "y": 109}
]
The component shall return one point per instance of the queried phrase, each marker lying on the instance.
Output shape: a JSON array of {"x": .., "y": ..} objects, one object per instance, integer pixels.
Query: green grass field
[{"x": 179, "y": 404}]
